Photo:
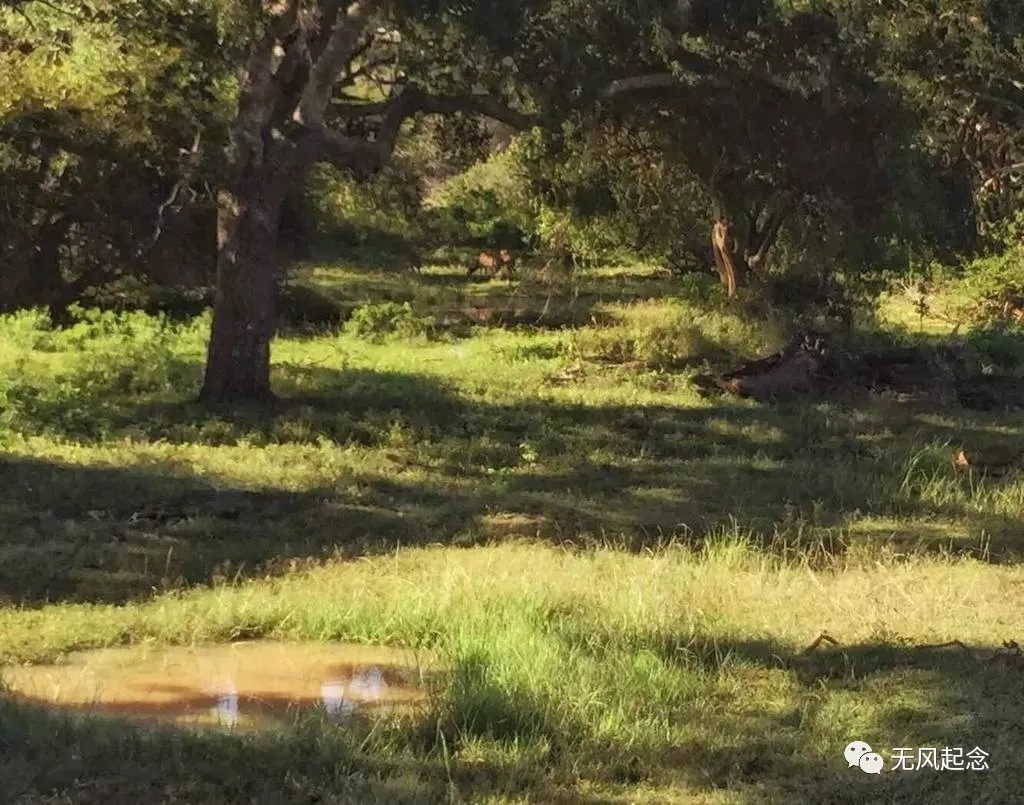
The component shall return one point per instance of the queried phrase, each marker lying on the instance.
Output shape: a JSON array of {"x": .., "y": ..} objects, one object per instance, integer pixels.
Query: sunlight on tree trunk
[
  {"x": 244, "y": 312},
  {"x": 741, "y": 251},
  {"x": 732, "y": 268}
]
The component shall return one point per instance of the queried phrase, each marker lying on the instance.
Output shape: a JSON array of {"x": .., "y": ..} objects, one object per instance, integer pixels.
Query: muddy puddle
[{"x": 253, "y": 685}]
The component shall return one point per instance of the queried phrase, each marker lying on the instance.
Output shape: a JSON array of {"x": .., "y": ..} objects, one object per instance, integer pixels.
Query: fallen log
[
  {"x": 810, "y": 364},
  {"x": 800, "y": 367}
]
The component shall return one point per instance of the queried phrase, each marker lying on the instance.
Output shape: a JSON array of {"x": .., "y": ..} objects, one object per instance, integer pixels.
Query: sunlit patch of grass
[
  {"x": 658, "y": 659},
  {"x": 679, "y": 670},
  {"x": 938, "y": 316}
]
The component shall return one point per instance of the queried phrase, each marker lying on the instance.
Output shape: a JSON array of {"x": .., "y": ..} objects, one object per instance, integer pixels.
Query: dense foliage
[{"x": 826, "y": 139}]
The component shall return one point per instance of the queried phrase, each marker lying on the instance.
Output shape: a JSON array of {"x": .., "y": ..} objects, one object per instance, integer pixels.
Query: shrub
[
  {"x": 682, "y": 338},
  {"x": 356, "y": 213},
  {"x": 24, "y": 330},
  {"x": 108, "y": 359},
  {"x": 489, "y": 202},
  {"x": 377, "y": 322},
  {"x": 999, "y": 345},
  {"x": 987, "y": 282}
]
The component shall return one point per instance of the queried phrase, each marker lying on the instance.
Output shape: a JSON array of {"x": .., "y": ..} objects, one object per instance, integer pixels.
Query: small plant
[
  {"x": 994, "y": 285},
  {"x": 378, "y": 322},
  {"x": 529, "y": 453}
]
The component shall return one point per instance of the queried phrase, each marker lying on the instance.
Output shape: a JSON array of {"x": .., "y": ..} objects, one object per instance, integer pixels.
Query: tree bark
[
  {"x": 740, "y": 253},
  {"x": 248, "y": 221},
  {"x": 244, "y": 309},
  {"x": 733, "y": 270},
  {"x": 279, "y": 131}
]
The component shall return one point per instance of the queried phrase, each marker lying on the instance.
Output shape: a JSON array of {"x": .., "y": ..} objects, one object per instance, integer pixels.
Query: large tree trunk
[
  {"x": 290, "y": 73},
  {"x": 244, "y": 309}
]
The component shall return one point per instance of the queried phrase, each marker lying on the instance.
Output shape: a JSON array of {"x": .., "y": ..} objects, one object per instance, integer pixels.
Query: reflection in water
[
  {"x": 245, "y": 685},
  {"x": 227, "y": 710},
  {"x": 333, "y": 695},
  {"x": 365, "y": 687},
  {"x": 367, "y": 684}
]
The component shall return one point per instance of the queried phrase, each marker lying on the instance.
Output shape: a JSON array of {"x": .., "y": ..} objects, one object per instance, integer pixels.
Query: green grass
[{"x": 620, "y": 573}]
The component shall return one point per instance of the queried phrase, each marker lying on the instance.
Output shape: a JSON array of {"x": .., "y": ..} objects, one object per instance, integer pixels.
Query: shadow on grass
[
  {"x": 891, "y": 695},
  {"x": 321, "y": 299},
  {"x": 735, "y": 740},
  {"x": 438, "y": 467},
  {"x": 910, "y": 697},
  {"x": 49, "y": 753},
  {"x": 442, "y": 290}
]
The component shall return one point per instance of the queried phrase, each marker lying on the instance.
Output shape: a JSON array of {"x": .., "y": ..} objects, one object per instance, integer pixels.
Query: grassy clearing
[
  {"x": 580, "y": 676},
  {"x": 620, "y": 573}
]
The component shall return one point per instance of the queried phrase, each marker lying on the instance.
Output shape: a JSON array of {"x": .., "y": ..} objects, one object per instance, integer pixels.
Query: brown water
[{"x": 243, "y": 685}]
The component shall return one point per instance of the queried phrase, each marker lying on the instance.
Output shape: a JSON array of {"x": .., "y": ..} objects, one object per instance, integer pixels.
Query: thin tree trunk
[
  {"x": 45, "y": 278},
  {"x": 741, "y": 253},
  {"x": 733, "y": 270},
  {"x": 244, "y": 309}
]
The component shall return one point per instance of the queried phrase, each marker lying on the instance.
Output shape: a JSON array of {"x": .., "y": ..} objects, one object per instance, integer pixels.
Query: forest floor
[{"x": 621, "y": 575}]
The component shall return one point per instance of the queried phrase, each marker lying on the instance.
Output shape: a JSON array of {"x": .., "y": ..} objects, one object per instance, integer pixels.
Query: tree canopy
[{"x": 844, "y": 130}]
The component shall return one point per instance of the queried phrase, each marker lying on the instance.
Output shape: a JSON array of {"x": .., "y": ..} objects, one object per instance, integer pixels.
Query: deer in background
[{"x": 492, "y": 264}]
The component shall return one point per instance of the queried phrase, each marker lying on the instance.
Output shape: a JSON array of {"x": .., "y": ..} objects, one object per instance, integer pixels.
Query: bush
[
  {"x": 108, "y": 359},
  {"x": 301, "y": 306},
  {"x": 999, "y": 345},
  {"x": 377, "y": 322},
  {"x": 132, "y": 353},
  {"x": 355, "y": 213},
  {"x": 599, "y": 190},
  {"x": 587, "y": 240},
  {"x": 488, "y": 203},
  {"x": 817, "y": 300},
  {"x": 988, "y": 282},
  {"x": 24, "y": 330},
  {"x": 680, "y": 339}
]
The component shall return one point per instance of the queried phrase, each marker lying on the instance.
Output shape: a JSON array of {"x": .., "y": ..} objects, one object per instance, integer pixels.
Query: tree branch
[
  {"x": 708, "y": 71},
  {"x": 328, "y": 17},
  {"x": 356, "y": 155},
  {"x": 345, "y": 39},
  {"x": 364, "y": 157},
  {"x": 285, "y": 17},
  {"x": 641, "y": 83},
  {"x": 753, "y": 216},
  {"x": 769, "y": 232},
  {"x": 413, "y": 101}
]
